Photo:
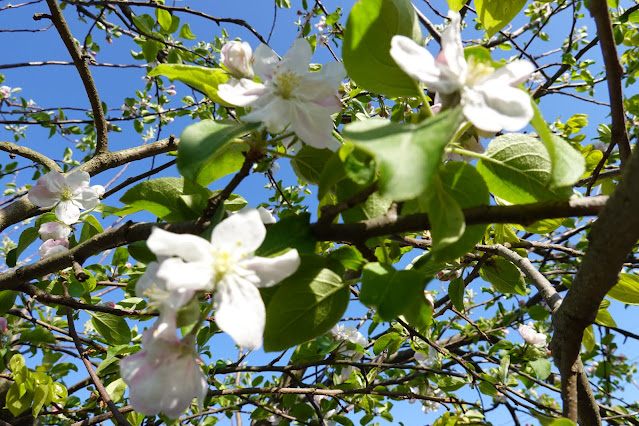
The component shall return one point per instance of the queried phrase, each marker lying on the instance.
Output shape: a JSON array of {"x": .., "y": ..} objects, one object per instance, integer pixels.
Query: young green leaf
[
  {"x": 366, "y": 51},
  {"x": 206, "y": 80},
  {"x": 206, "y": 152},
  {"x": 408, "y": 156},
  {"x": 496, "y": 14},
  {"x": 504, "y": 276}
]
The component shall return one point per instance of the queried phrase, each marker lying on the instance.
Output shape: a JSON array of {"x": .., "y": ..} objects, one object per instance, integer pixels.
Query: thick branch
[
  {"x": 614, "y": 75},
  {"x": 30, "y": 154},
  {"x": 612, "y": 237},
  {"x": 102, "y": 143}
]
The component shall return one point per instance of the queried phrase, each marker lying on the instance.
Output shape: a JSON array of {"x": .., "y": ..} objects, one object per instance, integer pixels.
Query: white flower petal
[
  {"x": 272, "y": 270},
  {"x": 54, "y": 181},
  {"x": 189, "y": 247},
  {"x": 452, "y": 47},
  {"x": 266, "y": 216},
  {"x": 264, "y": 62},
  {"x": 41, "y": 196},
  {"x": 512, "y": 74},
  {"x": 78, "y": 179},
  {"x": 67, "y": 212},
  {"x": 243, "y": 232},
  {"x": 236, "y": 57},
  {"x": 54, "y": 231},
  {"x": 273, "y": 111},
  {"x": 414, "y": 60},
  {"x": 298, "y": 57},
  {"x": 313, "y": 125},
  {"x": 495, "y": 107},
  {"x": 241, "y": 92},
  {"x": 239, "y": 311},
  {"x": 193, "y": 276}
]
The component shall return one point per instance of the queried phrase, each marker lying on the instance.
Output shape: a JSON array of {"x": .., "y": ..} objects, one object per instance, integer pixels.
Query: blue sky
[{"x": 60, "y": 85}]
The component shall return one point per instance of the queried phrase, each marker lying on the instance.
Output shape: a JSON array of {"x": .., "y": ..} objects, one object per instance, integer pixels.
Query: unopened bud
[{"x": 236, "y": 57}]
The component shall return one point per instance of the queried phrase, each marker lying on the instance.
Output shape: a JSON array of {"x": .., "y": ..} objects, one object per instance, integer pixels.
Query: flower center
[
  {"x": 285, "y": 82},
  {"x": 225, "y": 261},
  {"x": 66, "y": 194},
  {"x": 477, "y": 71}
]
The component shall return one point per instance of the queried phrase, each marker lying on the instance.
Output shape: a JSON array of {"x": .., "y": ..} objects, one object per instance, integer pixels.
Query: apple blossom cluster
[
  {"x": 288, "y": 95},
  {"x": 352, "y": 337},
  {"x": 489, "y": 97},
  {"x": 69, "y": 195},
  {"x": 165, "y": 376},
  {"x": 531, "y": 336}
]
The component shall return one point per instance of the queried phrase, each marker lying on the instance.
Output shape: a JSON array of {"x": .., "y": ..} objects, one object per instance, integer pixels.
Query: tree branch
[
  {"x": 612, "y": 237},
  {"x": 102, "y": 139},
  {"x": 614, "y": 75},
  {"x": 30, "y": 154}
]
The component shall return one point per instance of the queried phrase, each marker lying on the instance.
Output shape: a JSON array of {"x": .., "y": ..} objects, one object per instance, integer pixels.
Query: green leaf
[
  {"x": 456, "y": 290},
  {"x": 366, "y": 50},
  {"x": 18, "y": 398},
  {"x": 7, "y": 299},
  {"x": 446, "y": 217},
  {"x": 185, "y": 32},
  {"x": 374, "y": 206},
  {"x": 517, "y": 169},
  {"x": 568, "y": 165},
  {"x": 504, "y": 365},
  {"x": 456, "y": 5},
  {"x": 140, "y": 252},
  {"x": 588, "y": 339},
  {"x": 451, "y": 384},
  {"x": 488, "y": 389},
  {"x": 626, "y": 290},
  {"x": 144, "y": 23},
  {"x": 390, "y": 342},
  {"x": 164, "y": 18},
  {"x": 161, "y": 196},
  {"x": 541, "y": 367},
  {"x": 90, "y": 228},
  {"x": 465, "y": 185},
  {"x": 305, "y": 305},
  {"x": 408, "y": 156},
  {"x": 503, "y": 275},
  {"x": 309, "y": 163},
  {"x": 27, "y": 238},
  {"x": 42, "y": 392},
  {"x": 388, "y": 290},
  {"x": 58, "y": 393},
  {"x": 290, "y": 232},
  {"x": 604, "y": 318},
  {"x": 206, "y": 152},
  {"x": 206, "y": 80},
  {"x": 116, "y": 390},
  {"x": 496, "y": 14},
  {"x": 113, "y": 328}
]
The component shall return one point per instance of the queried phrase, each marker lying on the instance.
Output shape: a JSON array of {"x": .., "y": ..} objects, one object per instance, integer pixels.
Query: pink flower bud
[{"x": 236, "y": 57}]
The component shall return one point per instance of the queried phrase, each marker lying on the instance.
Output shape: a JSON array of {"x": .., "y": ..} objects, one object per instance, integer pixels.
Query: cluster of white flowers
[
  {"x": 351, "y": 335},
  {"x": 489, "y": 97},
  {"x": 289, "y": 95},
  {"x": 69, "y": 194},
  {"x": 321, "y": 26},
  {"x": 426, "y": 360},
  {"x": 531, "y": 336},
  {"x": 165, "y": 375},
  {"x": 5, "y": 92}
]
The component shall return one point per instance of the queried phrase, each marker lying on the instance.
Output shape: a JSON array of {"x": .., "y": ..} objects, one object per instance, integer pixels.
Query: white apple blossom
[
  {"x": 426, "y": 360},
  {"x": 54, "y": 231},
  {"x": 5, "y": 92},
  {"x": 237, "y": 57},
  {"x": 350, "y": 334},
  {"x": 164, "y": 376},
  {"x": 226, "y": 266},
  {"x": 289, "y": 94},
  {"x": 168, "y": 301},
  {"x": 51, "y": 247},
  {"x": 266, "y": 216},
  {"x": 68, "y": 193},
  {"x": 531, "y": 336},
  {"x": 489, "y": 97}
]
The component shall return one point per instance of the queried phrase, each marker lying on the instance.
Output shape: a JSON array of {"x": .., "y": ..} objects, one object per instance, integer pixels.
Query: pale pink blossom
[
  {"x": 54, "y": 231},
  {"x": 164, "y": 376},
  {"x": 3, "y": 324},
  {"x": 350, "y": 334},
  {"x": 290, "y": 95},
  {"x": 226, "y": 267},
  {"x": 237, "y": 57},
  {"x": 5, "y": 92},
  {"x": 69, "y": 194},
  {"x": 51, "y": 247},
  {"x": 489, "y": 97},
  {"x": 531, "y": 336}
]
